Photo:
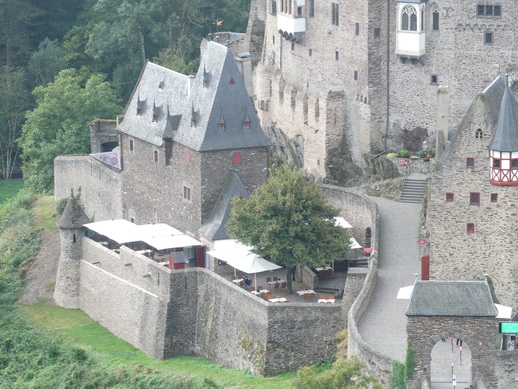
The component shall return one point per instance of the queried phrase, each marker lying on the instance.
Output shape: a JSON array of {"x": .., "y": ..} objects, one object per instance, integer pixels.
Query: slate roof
[
  {"x": 451, "y": 298},
  {"x": 506, "y": 133},
  {"x": 216, "y": 101},
  {"x": 214, "y": 226},
  {"x": 162, "y": 93},
  {"x": 73, "y": 216}
]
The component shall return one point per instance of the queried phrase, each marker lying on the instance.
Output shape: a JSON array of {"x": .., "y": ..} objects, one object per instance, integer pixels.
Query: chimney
[
  {"x": 443, "y": 110},
  {"x": 190, "y": 84},
  {"x": 244, "y": 64}
]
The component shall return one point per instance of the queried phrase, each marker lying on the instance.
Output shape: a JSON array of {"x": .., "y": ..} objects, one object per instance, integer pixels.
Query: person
[
  {"x": 294, "y": 270},
  {"x": 247, "y": 283}
]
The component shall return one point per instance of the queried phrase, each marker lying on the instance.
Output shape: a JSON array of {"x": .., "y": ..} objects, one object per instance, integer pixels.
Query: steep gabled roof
[
  {"x": 451, "y": 298},
  {"x": 214, "y": 226},
  {"x": 506, "y": 133},
  {"x": 160, "y": 98},
  {"x": 219, "y": 105}
]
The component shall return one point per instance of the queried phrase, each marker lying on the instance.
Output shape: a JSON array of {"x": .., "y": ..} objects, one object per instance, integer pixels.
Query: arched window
[
  {"x": 478, "y": 134},
  {"x": 435, "y": 17},
  {"x": 409, "y": 18}
]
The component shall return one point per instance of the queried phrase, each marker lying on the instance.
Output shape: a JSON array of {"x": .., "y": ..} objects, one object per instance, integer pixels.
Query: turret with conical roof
[
  {"x": 66, "y": 292},
  {"x": 503, "y": 150}
]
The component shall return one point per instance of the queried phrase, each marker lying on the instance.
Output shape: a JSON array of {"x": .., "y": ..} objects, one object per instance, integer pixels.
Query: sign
[
  {"x": 367, "y": 250},
  {"x": 403, "y": 162},
  {"x": 508, "y": 327},
  {"x": 422, "y": 242}
]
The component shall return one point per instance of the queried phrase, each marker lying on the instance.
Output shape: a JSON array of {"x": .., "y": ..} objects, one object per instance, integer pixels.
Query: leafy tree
[
  {"x": 17, "y": 18},
  {"x": 346, "y": 373},
  {"x": 48, "y": 61},
  {"x": 15, "y": 99},
  {"x": 59, "y": 123},
  {"x": 288, "y": 220}
]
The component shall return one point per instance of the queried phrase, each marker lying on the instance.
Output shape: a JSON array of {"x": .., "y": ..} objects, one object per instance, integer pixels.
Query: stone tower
[{"x": 66, "y": 293}]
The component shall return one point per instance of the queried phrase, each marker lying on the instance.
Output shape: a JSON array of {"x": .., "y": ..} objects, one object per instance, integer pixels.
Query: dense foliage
[
  {"x": 29, "y": 358},
  {"x": 38, "y": 39},
  {"x": 288, "y": 220},
  {"x": 59, "y": 123}
]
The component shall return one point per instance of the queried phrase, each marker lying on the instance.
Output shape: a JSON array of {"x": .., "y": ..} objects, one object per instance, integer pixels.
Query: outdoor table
[
  {"x": 238, "y": 281},
  {"x": 279, "y": 300},
  {"x": 326, "y": 301},
  {"x": 319, "y": 269},
  {"x": 274, "y": 282},
  {"x": 258, "y": 292},
  {"x": 307, "y": 291}
]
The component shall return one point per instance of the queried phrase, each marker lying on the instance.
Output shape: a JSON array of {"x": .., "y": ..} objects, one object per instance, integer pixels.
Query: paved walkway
[{"x": 383, "y": 324}]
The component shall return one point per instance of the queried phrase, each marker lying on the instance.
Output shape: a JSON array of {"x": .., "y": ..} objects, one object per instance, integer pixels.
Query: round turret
[{"x": 66, "y": 292}]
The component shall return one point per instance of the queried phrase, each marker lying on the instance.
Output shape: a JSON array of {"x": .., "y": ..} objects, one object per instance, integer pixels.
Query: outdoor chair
[
  {"x": 275, "y": 279},
  {"x": 233, "y": 278},
  {"x": 260, "y": 287},
  {"x": 276, "y": 285},
  {"x": 268, "y": 279},
  {"x": 251, "y": 289},
  {"x": 283, "y": 285}
]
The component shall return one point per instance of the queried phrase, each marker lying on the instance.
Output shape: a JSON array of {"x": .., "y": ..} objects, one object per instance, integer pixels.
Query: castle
[
  {"x": 346, "y": 77},
  {"x": 188, "y": 144}
]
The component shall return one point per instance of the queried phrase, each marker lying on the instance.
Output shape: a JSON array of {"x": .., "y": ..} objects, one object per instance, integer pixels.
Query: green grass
[
  {"x": 44, "y": 213},
  {"x": 75, "y": 326},
  {"x": 9, "y": 189}
]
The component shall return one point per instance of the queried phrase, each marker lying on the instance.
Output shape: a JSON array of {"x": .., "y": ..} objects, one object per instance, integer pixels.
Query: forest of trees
[{"x": 105, "y": 42}]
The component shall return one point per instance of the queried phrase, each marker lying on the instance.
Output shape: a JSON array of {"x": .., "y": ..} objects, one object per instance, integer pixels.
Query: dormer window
[
  {"x": 193, "y": 123},
  {"x": 139, "y": 112},
  {"x": 221, "y": 126},
  {"x": 246, "y": 124},
  {"x": 231, "y": 82},
  {"x": 155, "y": 119}
]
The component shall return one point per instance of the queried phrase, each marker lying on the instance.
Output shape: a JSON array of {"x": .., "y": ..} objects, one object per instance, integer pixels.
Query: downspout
[{"x": 388, "y": 77}]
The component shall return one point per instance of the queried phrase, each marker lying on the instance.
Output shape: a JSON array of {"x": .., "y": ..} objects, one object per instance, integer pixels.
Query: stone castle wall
[
  {"x": 455, "y": 254},
  {"x": 195, "y": 312},
  {"x": 392, "y": 103},
  {"x": 100, "y": 187},
  {"x": 478, "y": 333}
]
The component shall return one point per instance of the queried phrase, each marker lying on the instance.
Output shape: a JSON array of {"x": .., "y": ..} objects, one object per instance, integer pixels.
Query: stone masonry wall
[
  {"x": 100, "y": 187},
  {"x": 424, "y": 332},
  {"x": 196, "y": 312},
  {"x": 455, "y": 254}
]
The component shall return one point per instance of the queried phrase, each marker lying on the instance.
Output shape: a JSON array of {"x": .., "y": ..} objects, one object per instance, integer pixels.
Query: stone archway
[{"x": 450, "y": 358}]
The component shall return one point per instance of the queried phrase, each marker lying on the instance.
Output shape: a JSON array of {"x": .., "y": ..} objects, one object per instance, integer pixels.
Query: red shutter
[{"x": 237, "y": 158}]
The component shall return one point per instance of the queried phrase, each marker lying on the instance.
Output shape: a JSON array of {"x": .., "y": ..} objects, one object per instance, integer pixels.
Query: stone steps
[{"x": 413, "y": 191}]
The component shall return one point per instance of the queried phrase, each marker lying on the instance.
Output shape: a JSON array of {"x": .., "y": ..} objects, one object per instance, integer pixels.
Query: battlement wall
[
  {"x": 195, "y": 312},
  {"x": 100, "y": 186}
]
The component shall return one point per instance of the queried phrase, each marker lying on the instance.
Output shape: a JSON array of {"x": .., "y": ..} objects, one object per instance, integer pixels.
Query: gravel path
[{"x": 41, "y": 272}]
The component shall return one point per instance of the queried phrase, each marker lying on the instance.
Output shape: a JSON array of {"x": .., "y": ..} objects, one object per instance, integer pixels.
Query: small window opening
[
  {"x": 470, "y": 163},
  {"x": 155, "y": 155},
  {"x": 337, "y": 55},
  {"x": 376, "y": 33},
  {"x": 474, "y": 198},
  {"x": 357, "y": 29},
  {"x": 236, "y": 161},
  {"x": 131, "y": 145},
  {"x": 494, "y": 197},
  {"x": 310, "y": 52},
  {"x": 434, "y": 80},
  {"x": 470, "y": 228},
  {"x": 449, "y": 197},
  {"x": 488, "y": 38},
  {"x": 356, "y": 75}
]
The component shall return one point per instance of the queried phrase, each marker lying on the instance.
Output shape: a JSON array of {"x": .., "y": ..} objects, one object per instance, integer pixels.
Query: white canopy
[
  {"x": 160, "y": 236},
  {"x": 354, "y": 244},
  {"x": 340, "y": 221},
  {"x": 504, "y": 312},
  {"x": 171, "y": 241},
  {"x": 405, "y": 293},
  {"x": 240, "y": 257}
]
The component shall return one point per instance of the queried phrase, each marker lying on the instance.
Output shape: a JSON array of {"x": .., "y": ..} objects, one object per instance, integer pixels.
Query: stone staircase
[{"x": 414, "y": 189}]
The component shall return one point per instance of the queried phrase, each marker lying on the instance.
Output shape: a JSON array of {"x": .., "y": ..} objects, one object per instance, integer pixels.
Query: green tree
[
  {"x": 59, "y": 123},
  {"x": 45, "y": 63},
  {"x": 346, "y": 373},
  {"x": 15, "y": 99},
  {"x": 288, "y": 220}
]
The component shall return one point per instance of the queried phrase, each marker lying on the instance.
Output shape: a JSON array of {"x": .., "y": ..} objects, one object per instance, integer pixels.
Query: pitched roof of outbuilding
[
  {"x": 209, "y": 112},
  {"x": 506, "y": 133},
  {"x": 451, "y": 298},
  {"x": 214, "y": 226},
  {"x": 73, "y": 217}
]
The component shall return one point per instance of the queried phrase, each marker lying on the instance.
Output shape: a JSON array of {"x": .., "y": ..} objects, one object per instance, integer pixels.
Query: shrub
[
  {"x": 392, "y": 155},
  {"x": 404, "y": 153}
]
